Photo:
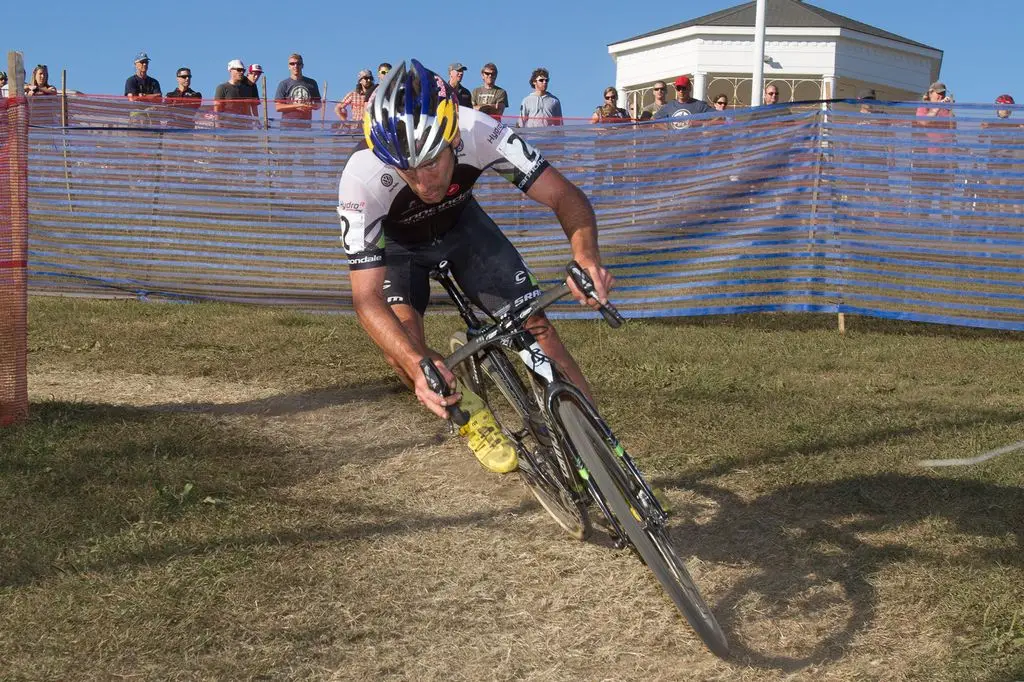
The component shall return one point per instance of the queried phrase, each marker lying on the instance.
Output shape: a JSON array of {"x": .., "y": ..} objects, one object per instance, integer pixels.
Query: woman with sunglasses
[
  {"x": 610, "y": 111},
  {"x": 40, "y": 82}
]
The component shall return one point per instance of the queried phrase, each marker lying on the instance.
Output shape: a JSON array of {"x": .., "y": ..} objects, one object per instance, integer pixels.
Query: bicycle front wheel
[
  {"x": 494, "y": 378},
  {"x": 649, "y": 539}
]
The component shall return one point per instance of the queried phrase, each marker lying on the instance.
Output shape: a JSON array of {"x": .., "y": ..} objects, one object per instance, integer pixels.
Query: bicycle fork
[{"x": 655, "y": 514}]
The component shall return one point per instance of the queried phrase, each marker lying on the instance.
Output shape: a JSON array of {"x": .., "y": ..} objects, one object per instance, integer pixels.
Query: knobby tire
[{"x": 649, "y": 540}]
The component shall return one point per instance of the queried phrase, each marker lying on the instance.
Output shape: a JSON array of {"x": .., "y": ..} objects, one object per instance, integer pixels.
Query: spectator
[
  {"x": 721, "y": 102},
  {"x": 383, "y": 69},
  {"x": 490, "y": 111},
  {"x": 456, "y": 70},
  {"x": 1004, "y": 99},
  {"x": 771, "y": 94},
  {"x": 3, "y": 84},
  {"x": 610, "y": 111},
  {"x": 297, "y": 96},
  {"x": 937, "y": 95},
  {"x": 352, "y": 107},
  {"x": 540, "y": 107},
  {"x": 39, "y": 84},
  {"x": 184, "y": 91},
  {"x": 236, "y": 96},
  {"x": 659, "y": 101},
  {"x": 184, "y": 98},
  {"x": 141, "y": 86},
  {"x": 866, "y": 97},
  {"x": 253, "y": 73},
  {"x": 489, "y": 94},
  {"x": 684, "y": 105}
]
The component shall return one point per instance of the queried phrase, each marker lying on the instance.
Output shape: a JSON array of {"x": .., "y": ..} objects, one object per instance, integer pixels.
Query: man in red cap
[{"x": 684, "y": 105}]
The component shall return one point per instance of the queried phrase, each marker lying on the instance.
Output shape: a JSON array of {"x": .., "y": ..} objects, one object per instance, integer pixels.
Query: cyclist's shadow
[{"x": 812, "y": 583}]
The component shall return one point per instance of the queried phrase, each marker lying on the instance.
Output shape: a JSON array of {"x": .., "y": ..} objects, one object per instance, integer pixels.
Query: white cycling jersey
[{"x": 375, "y": 204}]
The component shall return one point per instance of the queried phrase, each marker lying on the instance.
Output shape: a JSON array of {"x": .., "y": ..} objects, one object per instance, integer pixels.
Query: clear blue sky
[{"x": 96, "y": 42}]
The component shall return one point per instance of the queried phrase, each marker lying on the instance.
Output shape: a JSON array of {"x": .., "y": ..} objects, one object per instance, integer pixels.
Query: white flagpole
[{"x": 757, "y": 82}]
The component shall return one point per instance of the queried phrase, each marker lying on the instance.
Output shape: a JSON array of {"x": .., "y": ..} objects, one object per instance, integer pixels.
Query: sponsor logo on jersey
[
  {"x": 496, "y": 133},
  {"x": 352, "y": 206},
  {"x": 520, "y": 277},
  {"x": 453, "y": 189},
  {"x": 387, "y": 180},
  {"x": 372, "y": 258},
  {"x": 387, "y": 284},
  {"x": 395, "y": 299}
]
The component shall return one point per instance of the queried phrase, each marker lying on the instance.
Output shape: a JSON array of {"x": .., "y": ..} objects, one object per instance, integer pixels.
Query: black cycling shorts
[{"x": 482, "y": 260}]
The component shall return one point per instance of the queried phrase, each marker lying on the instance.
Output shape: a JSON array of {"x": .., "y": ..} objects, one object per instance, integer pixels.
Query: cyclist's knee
[{"x": 542, "y": 330}]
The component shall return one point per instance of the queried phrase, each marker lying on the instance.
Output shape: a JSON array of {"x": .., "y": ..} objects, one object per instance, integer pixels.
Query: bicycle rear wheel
[
  {"x": 649, "y": 539},
  {"x": 494, "y": 378}
]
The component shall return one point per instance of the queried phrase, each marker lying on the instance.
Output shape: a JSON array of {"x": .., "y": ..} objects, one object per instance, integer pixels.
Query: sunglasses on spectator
[
  {"x": 383, "y": 72},
  {"x": 542, "y": 80},
  {"x": 366, "y": 78},
  {"x": 659, "y": 89},
  {"x": 184, "y": 75},
  {"x": 489, "y": 73},
  {"x": 294, "y": 63},
  {"x": 611, "y": 96},
  {"x": 721, "y": 103}
]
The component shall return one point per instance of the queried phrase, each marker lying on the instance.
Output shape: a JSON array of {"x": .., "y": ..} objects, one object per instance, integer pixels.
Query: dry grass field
[{"x": 213, "y": 492}]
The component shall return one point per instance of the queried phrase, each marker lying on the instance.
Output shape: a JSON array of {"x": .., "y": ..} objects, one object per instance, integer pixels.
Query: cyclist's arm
[
  {"x": 385, "y": 329},
  {"x": 576, "y": 215}
]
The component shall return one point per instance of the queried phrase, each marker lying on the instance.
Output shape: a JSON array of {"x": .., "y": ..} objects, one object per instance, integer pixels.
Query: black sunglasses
[
  {"x": 184, "y": 75},
  {"x": 489, "y": 73},
  {"x": 659, "y": 89},
  {"x": 294, "y": 63}
]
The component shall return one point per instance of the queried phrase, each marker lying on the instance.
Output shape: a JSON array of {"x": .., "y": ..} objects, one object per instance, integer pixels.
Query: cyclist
[{"x": 406, "y": 204}]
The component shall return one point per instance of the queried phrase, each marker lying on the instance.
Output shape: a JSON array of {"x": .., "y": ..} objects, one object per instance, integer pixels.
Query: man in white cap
[
  {"x": 456, "y": 70},
  {"x": 140, "y": 86},
  {"x": 237, "y": 96}
]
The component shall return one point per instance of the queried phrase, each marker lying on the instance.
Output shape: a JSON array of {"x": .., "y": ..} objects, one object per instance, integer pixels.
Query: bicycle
[{"x": 569, "y": 457}]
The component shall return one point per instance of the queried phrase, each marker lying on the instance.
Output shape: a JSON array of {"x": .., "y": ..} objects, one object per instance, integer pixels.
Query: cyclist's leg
[
  {"x": 407, "y": 292},
  {"x": 549, "y": 341},
  {"x": 493, "y": 274}
]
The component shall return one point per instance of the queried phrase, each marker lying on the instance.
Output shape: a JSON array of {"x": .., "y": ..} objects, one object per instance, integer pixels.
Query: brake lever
[
  {"x": 582, "y": 279},
  {"x": 438, "y": 385}
]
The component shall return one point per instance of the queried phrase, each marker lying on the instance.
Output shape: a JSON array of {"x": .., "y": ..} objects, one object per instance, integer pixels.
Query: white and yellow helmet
[{"x": 412, "y": 116}]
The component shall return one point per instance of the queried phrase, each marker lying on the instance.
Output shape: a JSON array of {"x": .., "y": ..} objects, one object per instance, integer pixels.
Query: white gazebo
[{"x": 810, "y": 53}]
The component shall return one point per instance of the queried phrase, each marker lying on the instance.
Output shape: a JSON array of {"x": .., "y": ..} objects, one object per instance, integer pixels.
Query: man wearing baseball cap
[
  {"x": 141, "y": 86},
  {"x": 253, "y": 73},
  {"x": 353, "y": 105},
  {"x": 684, "y": 105},
  {"x": 456, "y": 70},
  {"x": 237, "y": 96}
]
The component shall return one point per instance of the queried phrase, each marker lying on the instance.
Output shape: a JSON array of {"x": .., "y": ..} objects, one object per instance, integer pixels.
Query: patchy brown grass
[{"x": 218, "y": 492}]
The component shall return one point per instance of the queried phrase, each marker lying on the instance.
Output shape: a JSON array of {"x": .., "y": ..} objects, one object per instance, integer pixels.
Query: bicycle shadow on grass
[{"x": 819, "y": 548}]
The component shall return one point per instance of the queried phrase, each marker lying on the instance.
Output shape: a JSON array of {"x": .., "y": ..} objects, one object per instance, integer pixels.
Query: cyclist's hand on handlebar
[
  {"x": 436, "y": 402},
  {"x": 602, "y": 284}
]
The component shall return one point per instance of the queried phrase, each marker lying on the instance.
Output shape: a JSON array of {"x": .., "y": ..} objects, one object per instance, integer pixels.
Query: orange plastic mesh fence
[{"x": 13, "y": 260}]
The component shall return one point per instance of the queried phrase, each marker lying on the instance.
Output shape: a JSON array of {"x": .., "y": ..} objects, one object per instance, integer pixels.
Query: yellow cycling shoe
[{"x": 491, "y": 447}]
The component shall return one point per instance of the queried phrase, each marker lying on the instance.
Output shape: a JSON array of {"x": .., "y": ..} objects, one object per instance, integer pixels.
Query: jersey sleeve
[
  {"x": 361, "y": 215},
  {"x": 499, "y": 147}
]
